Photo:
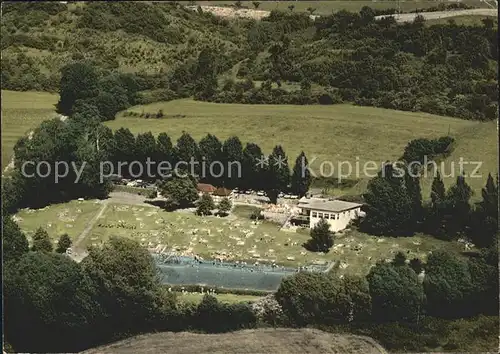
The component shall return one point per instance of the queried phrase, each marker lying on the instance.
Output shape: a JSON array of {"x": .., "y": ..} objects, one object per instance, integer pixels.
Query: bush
[{"x": 256, "y": 215}]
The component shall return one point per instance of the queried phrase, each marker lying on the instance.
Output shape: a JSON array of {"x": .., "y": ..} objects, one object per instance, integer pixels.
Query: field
[
  {"x": 327, "y": 7},
  {"x": 472, "y": 20},
  {"x": 56, "y": 219},
  {"x": 233, "y": 237},
  {"x": 328, "y": 135},
  {"x": 21, "y": 112},
  {"x": 269, "y": 340}
]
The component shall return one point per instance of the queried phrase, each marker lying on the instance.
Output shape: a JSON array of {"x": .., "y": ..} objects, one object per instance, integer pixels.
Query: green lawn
[
  {"x": 56, "y": 219},
  {"x": 327, "y": 7},
  {"x": 235, "y": 236},
  {"x": 21, "y": 112},
  {"x": 333, "y": 134}
]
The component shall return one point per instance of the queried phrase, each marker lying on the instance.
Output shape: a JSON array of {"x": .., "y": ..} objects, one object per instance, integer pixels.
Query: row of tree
[
  {"x": 92, "y": 152},
  {"x": 394, "y": 207}
]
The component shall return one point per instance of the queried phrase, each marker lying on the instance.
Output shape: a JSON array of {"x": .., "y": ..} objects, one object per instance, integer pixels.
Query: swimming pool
[{"x": 188, "y": 271}]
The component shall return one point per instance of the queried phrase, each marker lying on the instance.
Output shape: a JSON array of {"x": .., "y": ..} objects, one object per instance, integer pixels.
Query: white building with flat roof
[{"x": 337, "y": 213}]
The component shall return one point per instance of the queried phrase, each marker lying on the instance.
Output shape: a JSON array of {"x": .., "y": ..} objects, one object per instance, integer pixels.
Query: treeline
[
  {"x": 53, "y": 304},
  {"x": 401, "y": 303},
  {"x": 394, "y": 207},
  {"x": 90, "y": 148},
  {"x": 444, "y": 7}
]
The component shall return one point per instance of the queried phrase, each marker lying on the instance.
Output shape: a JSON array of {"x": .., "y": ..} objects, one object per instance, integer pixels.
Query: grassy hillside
[
  {"x": 21, "y": 112},
  {"x": 247, "y": 341},
  {"x": 329, "y": 133},
  {"x": 39, "y": 39}
]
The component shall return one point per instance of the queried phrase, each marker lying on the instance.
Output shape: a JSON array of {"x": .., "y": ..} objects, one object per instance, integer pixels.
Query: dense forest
[{"x": 287, "y": 58}]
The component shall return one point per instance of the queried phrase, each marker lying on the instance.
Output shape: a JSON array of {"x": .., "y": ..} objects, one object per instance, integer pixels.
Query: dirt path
[{"x": 90, "y": 225}]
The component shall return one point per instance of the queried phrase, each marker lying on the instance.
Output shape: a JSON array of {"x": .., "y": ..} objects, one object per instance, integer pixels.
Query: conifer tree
[
  {"x": 232, "y": 151},
  {"x": 389, "y": 206},
  {"x": 205, "y": 205},
  {"x": 187, "y": 150},
  {"x": 458, "y": 208},
  {"x": 412, "y": 185},
  {"x": 485, "y": 226},
  {"x": 63, "y": 244},
  {"x": 434, "y": 223},
  {"x": 253, "y": 174},
  {"x": 211, "y": 151},
  {"x": 41, "y": 241},
  {"x": 224, "y": 206},
  {"x": 164, "y": 149},
  {"x": 278, "y": 174}
]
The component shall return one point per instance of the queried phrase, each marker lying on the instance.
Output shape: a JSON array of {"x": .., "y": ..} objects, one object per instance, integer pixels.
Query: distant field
[
  {"x": 21, "y": 112},
  {"x": 234, "y": 236},
  {"x": 328, "y": 133},
  {"x": 462, "y": 20},
  {"x": 327, "y": 7},
  {"x": 225, "y": 298}
]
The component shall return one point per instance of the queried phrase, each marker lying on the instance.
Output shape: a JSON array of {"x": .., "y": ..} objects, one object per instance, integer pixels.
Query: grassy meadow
[
  {"x": 234, "y": 236},
  {"x": 326, "y": 134},
  {"x": 224, "y": 298},
  {"x": 472, "y": 20},
  {"x": 21, "y": 112},
  {"x": 56, "y": 219},
  {"x": 327, "y": 7}
]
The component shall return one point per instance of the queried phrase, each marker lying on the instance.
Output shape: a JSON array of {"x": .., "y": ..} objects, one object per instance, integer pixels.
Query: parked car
[{"x": 260, "y": 193}]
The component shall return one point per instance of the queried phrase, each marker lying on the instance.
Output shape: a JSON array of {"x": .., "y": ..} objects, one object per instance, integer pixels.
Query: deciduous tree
[
  {"x": 180, "y": 192},
  {"x": 321, "y": 238}
]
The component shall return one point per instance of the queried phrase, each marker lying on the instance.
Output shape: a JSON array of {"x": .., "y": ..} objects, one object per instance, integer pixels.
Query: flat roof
[{"x": 326, "y": 204}]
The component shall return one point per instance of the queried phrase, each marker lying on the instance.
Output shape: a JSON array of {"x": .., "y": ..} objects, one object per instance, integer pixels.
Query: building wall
[{"x": 337, "y": 221}]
